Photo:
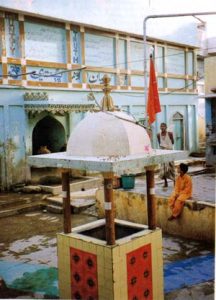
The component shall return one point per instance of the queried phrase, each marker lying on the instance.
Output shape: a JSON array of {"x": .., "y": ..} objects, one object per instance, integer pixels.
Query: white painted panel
[
  {"x": 46, "y": 74},
  {"x": 14, "y": 71},
  {"x": 12, "y": 37},
  {"x": 99, "y": 51},
  {"x": 175, "y": 61},
  {"x": 46, "y": 43},
  {"x": 122, "y": 54},
  {"x": 76, "y": 47}
]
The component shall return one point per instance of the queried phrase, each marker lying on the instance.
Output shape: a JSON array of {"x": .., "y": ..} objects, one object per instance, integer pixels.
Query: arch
[
  {"x": 178, "y": 122},
  {"x": 50, "y": 132}
]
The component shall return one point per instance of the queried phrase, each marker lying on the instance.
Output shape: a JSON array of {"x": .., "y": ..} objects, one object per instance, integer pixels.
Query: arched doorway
[
  {"x": 178, "y": 121},
  {"x": 48, "y": 132}
]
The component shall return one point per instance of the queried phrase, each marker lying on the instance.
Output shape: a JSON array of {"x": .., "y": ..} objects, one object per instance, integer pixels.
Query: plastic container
[{"x": 128, "y": 181}]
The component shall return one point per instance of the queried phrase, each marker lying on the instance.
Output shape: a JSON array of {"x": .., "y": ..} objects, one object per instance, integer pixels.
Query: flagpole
[
  {"x": 145, "y": 70},
  {"x": 145, "y": 44}
]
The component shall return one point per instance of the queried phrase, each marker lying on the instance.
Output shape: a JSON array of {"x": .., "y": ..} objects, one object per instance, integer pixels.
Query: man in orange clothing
[{"x": 182, "y": 192}]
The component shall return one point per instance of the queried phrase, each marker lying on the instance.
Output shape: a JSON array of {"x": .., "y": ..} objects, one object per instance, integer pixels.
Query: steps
[
  {"x": 80, "y": 184},
  {"x": 19, "y": 209},
  {"x": 78, "y": 200}
]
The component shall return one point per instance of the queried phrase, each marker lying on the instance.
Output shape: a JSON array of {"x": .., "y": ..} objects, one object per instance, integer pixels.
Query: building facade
[
  {"x": 51, "y": 75},
  {"x": 210, "y": 103}
]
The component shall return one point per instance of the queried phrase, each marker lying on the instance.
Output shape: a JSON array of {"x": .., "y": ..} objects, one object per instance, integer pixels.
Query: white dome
[{"x": 107, "y": 134}]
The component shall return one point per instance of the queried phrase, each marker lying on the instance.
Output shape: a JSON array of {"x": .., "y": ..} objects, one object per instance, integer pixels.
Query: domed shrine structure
[
  {"x": 109, "y": 258},
  {"x": 108, "y": 132}
]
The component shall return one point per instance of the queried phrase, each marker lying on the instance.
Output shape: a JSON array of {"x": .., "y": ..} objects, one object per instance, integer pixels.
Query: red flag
[{"x": 153, "y": 103}]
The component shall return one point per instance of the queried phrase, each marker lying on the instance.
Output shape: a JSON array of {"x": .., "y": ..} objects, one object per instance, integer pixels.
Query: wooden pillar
[
  {"x": 151, "y": 203},
  {"x": 109, "y": 211},
  {"x": 66, "y": 201}
]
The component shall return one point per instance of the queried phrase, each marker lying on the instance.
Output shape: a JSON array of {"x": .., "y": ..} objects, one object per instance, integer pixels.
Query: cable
[
  {"x": 78, "y": 69},
  {"x": 39, "y": 75}
]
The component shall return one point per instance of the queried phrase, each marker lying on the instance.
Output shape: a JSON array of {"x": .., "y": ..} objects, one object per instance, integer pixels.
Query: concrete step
[
  {"x": 82, "y": 184},
  {"x": 19, "y": 209},
  {"x": 78, "y": 200},
  {"x": 54, "y": 209},
  {"x": 76, "y": 205},
  {"x": 12, "y": 202}
]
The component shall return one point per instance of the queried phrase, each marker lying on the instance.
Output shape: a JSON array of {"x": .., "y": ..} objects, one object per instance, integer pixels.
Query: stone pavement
[
  {"x": 28, "y": 251},
  {"x": 28, "y": 258},
  {"x": 204, "y": 185}
]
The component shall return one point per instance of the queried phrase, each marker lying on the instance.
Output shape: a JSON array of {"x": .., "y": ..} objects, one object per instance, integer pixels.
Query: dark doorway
[{"x": 48, "y": 132}]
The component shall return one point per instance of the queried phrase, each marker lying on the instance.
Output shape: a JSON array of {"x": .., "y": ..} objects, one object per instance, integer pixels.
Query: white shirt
[{"x": 165, "y": 142}]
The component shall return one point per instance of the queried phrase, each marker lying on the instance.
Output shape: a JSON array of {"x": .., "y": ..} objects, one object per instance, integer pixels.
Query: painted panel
[
  {"x": 14, "y": 71},
  {"x": 159, "y": 61},
  {"x": 76, "y": 47},
  {"x": 16, "y": 143},
  {"x": 137, "y": 81},
  {"x": 12, "y": 37},
  {"x": 137, "y": 51},
  {"x": 137, "y": 55},
  {"x": 2, "y": 129},
  {"x": 96, "y": 78},
  {"x": 2, "y": 156},
  {"x": 46, "y": 74},
  {"x": 1, "y": 34},
  {"x": 123, "y": 79},
  {"x": 190, "y": 63},
  {"x": 84, "y": 281},
  {"x": 192, "y": 126},
  {"x": 139, "y": 273},
  {"x": 190, "y": 84},
  {"x": 122, "y": 54},
  {"x": 175, "y": 61},
  {"x": 77, "y": 77},
  {"x": 174, "y": 83},
  {"x": 45, "y": 43},
  {"x": 99, "y": 51},
  {"x": 160, "y": 82}
]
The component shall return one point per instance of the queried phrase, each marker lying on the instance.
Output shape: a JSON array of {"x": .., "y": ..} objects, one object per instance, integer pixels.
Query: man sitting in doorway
[
  {"x": 182, "y": 192},
  {"x": 166, "y": 141},
  {"x": 43, "y": 150}
]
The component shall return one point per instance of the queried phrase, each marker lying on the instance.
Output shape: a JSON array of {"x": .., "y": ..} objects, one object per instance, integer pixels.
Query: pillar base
[{"x": 130, "y": 269}]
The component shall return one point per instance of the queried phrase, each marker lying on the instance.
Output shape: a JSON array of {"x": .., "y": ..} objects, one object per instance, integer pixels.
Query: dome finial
[{"x": 107, "y": 101}]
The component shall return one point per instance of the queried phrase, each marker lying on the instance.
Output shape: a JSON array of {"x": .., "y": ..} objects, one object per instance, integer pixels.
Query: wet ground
[
  {"x": 28, "y": 258},
  {"x": 28, "y": 254}
]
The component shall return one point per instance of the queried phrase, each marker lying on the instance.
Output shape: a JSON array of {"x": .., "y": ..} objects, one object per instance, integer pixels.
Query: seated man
[
  {"x": 182, "y": 192},
  {"x": 43, "y": 150}
]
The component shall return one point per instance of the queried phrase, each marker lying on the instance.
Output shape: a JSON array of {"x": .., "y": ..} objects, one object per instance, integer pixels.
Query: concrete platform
[
  {"x": 79, "y": 199},
  {"x": 81, "y": 184}
]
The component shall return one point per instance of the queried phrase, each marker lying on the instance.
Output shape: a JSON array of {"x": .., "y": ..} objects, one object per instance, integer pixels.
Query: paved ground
[
  {"x": 204, "y": 185},
  {"x": 28, "y": 258}
]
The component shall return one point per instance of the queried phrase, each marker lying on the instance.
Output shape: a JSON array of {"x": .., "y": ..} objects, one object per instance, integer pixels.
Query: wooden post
[
  {"x": 109, "y": 213},
  {"x": 151, "y": 203},
  {"x": 66, "y": 201}
]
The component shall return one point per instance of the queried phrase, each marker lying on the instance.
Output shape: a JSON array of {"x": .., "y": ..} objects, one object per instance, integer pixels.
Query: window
[{"x": 175, "y": 61}]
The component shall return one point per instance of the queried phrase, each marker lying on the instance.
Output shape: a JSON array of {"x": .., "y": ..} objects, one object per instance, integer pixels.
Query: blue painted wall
[{"x": 47, "y": 43}]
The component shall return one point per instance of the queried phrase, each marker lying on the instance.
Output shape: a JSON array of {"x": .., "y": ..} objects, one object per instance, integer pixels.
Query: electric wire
[{"x": 104, "y": 66}]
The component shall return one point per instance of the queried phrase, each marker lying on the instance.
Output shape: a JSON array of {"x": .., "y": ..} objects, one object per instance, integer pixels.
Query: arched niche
[
  {"x": 50, "y": 132},
  {"x": 178, "y": 122}
]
